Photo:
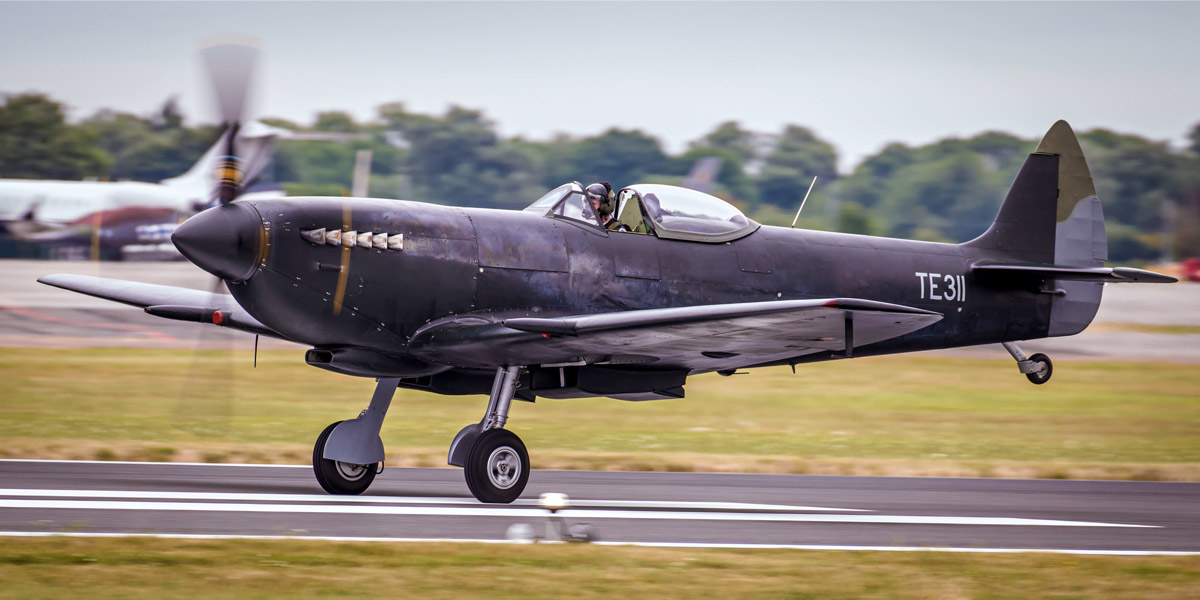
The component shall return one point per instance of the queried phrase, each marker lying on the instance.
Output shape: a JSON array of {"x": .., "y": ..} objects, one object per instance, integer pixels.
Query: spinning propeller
[
  {"x": 230, "y": 68},
  {"x": 216, "y": 241}
]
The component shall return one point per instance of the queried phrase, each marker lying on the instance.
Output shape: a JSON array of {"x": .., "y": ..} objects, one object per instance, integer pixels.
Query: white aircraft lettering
[{"x": 954, "y": 287}]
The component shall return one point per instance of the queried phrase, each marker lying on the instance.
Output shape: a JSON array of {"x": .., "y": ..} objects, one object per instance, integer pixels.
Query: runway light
[{"x": 553, "y": 501}]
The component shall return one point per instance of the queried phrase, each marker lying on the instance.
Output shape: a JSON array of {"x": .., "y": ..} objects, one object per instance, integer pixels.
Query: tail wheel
[
  {"x": 497, "y": 467},
  {"x": 1043, "y": 368},
  {"x": 338, "y": 477}
]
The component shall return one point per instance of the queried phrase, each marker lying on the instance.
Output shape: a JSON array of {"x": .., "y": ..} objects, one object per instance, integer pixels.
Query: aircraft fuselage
[{"x": 489, "y": 264}]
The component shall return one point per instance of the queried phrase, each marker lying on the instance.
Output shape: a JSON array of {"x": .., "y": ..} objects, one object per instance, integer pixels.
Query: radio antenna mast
[{"x": 810, "y": 187}]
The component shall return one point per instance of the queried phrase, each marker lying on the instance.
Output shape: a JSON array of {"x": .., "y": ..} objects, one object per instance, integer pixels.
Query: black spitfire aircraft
[{"x": 545, "y": 302}]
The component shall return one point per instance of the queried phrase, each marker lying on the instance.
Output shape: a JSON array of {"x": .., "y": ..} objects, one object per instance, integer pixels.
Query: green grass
[
  {"x": 148, "y": 568},
  {"x": 891, "y": 415}
]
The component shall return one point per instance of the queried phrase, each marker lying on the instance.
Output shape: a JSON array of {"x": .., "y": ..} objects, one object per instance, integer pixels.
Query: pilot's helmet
[{"x": 602, "y": 193}]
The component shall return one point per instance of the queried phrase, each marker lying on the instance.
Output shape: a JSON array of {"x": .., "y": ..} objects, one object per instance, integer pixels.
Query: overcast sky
[{"x": 859, "y": 74}]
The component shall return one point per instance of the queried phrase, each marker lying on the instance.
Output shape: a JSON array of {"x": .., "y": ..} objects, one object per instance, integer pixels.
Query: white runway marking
[
  {"x": 443, "y": 511},
  {"x": 328, "y": 499},
  {"x": 188, "y": 536},
  {"x": 134, "y": 462}
]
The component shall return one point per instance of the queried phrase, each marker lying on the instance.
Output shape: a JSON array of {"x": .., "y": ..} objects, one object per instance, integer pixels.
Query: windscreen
[{"x": 544, "y": 203}]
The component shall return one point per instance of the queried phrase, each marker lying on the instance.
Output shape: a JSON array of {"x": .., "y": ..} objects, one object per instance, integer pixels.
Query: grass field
[
  {"x": 149, "y": 568},
  {"x": 890, "y": 415}
]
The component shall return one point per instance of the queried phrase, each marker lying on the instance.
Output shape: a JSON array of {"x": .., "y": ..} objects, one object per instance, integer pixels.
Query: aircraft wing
[
  {"x": 182, "y": 304},
  {"x": 696, "y": 338}
]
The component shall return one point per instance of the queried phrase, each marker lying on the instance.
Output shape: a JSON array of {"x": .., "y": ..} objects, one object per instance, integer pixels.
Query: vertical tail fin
[{"x": 1052, "y": 215}]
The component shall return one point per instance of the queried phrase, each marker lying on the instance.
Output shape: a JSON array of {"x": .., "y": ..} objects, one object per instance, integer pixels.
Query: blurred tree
[
  {"x": 797, "y": 157},
  {"x": 618, "y": 156},
  {"x": 950, "y": 195},
  {"x": 730, "y": 136},
  {"x": 295, "y": 188},
  {"x": 868, "y": 183},
  {"x": 555, "y": 160},
  {"x": 948, "y": 190},
  {"x": 316, "y": 163},
  {"x": 335, "y": 121},
  {"x": 115, "y": 131},
  {"x": 282, "y": 123},
  {"x": 142, "y": 151},
  {"x": 167, "y": 117},
  {"x": 731, "y": 176},
  {"x": 312, "y": 162},
  {"x": 458, "y": 159},
  {"x": 1134, "y": 176},
  {"x": 1002, "y": 151},
  {"x": 36, "y": 142},
  {"x": 854, "y": 218}
]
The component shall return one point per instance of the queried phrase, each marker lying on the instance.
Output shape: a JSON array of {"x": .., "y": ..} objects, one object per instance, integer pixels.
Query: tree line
[{"x": 947, "y": 190}]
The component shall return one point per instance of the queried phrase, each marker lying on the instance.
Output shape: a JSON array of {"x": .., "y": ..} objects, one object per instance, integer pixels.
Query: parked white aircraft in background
[
  {"x": 61, "y": 202},
  {"x": 126, "y": 217}
]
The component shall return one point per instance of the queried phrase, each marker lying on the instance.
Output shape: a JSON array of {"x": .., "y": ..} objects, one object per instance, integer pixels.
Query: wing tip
[
  {"x": 58, "y": 280},
  {"x": 1143, "y": 275}
]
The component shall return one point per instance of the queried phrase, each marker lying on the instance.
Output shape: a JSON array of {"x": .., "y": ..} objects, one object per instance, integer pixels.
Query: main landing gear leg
[
  {"x": 1037, "y": 368},
  {"x": 494, "y": 460},
  {"x": 348, "y": 454}
]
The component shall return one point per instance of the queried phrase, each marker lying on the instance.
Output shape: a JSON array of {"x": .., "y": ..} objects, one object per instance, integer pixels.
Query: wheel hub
[
  {"x": 504, "y": 467},
  {"x": 350, "y": 471}
]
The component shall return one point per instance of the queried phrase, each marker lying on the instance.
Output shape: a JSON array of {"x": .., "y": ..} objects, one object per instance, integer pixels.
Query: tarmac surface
[
  {"x": 674, "y": 509},
  {"x": 36, "y": 315}
]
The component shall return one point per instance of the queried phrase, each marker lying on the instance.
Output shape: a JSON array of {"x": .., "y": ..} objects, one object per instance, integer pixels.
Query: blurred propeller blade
[
  {"x": 230, "y": 65},
  {"x": 204, "y": 407}
]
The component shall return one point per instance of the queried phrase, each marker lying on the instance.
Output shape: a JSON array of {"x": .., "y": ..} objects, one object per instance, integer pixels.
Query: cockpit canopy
[{"x": 667, "y": 211}]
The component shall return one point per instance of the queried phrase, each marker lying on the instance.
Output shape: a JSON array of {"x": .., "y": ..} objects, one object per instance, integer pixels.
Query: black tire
[
  {"x": 338, "y": 477},
  {"x": 490, "y": 467},
  {"x": 1044, "y": 375}
]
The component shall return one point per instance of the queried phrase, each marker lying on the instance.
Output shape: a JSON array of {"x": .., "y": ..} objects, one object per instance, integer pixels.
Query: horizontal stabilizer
[
  {"x": 1030, "y": 271},
  {"x": 182, "y": 304}
]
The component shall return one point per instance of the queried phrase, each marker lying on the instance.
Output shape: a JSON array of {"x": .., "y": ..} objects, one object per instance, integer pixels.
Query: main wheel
[
  {"x": 1044, "y": 368},
  {"x": 338, "y": 477},
  {"x": 497, "y": 467}
]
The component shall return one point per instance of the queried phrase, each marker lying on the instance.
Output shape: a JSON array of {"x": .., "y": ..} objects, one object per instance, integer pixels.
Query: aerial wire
[{"x": 810, "y": 188}]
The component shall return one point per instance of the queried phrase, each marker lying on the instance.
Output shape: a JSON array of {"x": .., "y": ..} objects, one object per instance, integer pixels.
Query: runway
[{"x": 662, "y": 509}]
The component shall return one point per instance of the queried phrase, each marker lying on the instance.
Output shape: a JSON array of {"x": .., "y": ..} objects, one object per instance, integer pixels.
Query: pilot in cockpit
[{"x": 604, "y": 202}]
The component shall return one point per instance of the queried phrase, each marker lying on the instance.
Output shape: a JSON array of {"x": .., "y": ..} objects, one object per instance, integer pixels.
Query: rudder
[{"x": 1053, "y": 216}]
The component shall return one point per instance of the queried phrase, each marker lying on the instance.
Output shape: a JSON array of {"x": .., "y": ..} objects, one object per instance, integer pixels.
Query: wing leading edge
[
  {"x": 165, "y": 301},
  {"x": 696, "y": 338}
]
